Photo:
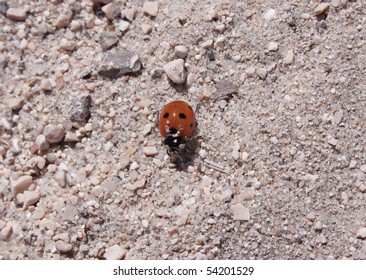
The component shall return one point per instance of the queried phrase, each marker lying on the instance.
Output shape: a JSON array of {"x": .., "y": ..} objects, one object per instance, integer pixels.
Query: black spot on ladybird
[
  {"x": 166, "y": 115},
  {"x": 182, "y": 116}
]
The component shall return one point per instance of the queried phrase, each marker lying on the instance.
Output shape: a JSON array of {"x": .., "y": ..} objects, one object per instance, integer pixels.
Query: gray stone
[
  {"x": 21, "y": 184},
  {"x": 321, "y": 8},
  {"x": 119, "y": 62},
  {"x": 112, "y": 10},
  {"x": 107, "y": 39},
  {"x": 240, "y": 212},
  {"x": 15, "y": 103},
  {"x": 70, "y": 212},
  {"x": 361, "y": 233},
  {"x": 175, "y": 71},
  {"x": 115, "y": 252},
  {"x": 30, "y": 198},
  {"x": 181, "y": 51},
  {"x": 150, "y": 151},
  {"x": 42, "y": 143},
  {"x": 63, "y": 20},
  {"x": 17, "y": 14},
  {"x": 54, "y": 133},
  {"x": 151, "y": 8},
  {"x": 63, "y": 247}
]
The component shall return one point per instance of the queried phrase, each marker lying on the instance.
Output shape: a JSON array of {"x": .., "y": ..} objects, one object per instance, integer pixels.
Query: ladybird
[{"x": 177, "y": 122}]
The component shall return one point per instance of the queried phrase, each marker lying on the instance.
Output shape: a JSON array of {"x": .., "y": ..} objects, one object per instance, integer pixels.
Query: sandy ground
[{"x": 279, "y": 169}]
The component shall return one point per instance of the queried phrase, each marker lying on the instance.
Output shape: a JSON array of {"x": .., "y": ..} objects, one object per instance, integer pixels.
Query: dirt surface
[{"x": 279, "y": 170}]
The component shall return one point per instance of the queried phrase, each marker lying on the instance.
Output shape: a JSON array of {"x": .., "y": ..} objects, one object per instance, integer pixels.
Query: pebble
[
  {"x": 140, "y": 184},
  {"x": 289, "y": 57},
  {"x": 67, "y": 45},
  {"x": 226, "y": 195},
  {"x": 15, "y": 103},
  {"x": 336, "y": 3},
  {"x": 39, "y": 213},
  {"x": 119, "y": 62},
  {"x": 112, "y": 10},
  {"x": 63, "y": 247},
  {"x": 123, "y": 25},
  {"x": 146, "y": 28},
  {"x": 207, "y": 44},
  {"x": 363, "y": 168},
  {"x": 181, "y": 51},
  {"x": 318, "y": 226},
  {"x": 150, "y": 151},
  {"x": 30, "y": 198},
  {"x": 240, "y": 212},
  {"x": 270, "y": 15},
  {"x": 273, "y": 46},
  {"x": 70, "y": 212},
  {"x": 129, "y": 13},
  {"x": 41, "y": 162},
  {"x": 46, "y": 85},
  {"x": 17, "y": 14},
  {"x": 362, "y": 188},
  {"x": 262, "y": 72},
  {"x": 64, "y": 236},
  {"x": 107, "y": 40},
  {"x": 361, "y": 233},
  {"x": 332, "y": 141},
  {"x": 42, "y": 143},
  {"x": 244, "y": 156},
  {"x": 175, "y": 71},
  {"x": 21, "y": 184},
  {"x": 151, "y": 8},
  {"x": 115, "y": 252},
  {"x": 63, "y": 20},
  {"x": 220, "y": 28},
  {"x": 71, "y": 137},
  {"x": 249, "y": 72},
  {"x": 60, "y": 178},
  {"x": 54, "y": 133},
  {"x": 321, "y": 8},
  {"x": 134, "y": 165},
  {"x": 6, "y": 232}
]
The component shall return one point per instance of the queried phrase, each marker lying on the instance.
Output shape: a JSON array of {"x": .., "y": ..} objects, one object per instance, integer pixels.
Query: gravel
[{"x": 277, "y": 168}]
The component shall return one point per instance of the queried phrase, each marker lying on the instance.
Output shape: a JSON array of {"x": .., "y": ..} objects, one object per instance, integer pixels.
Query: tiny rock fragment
[
  {"x": 123, "y": 25},
  {"x": 150, "y": 151},
  {"x": 262, "y": 73},
  {"x": 115, "y": 252},
  {"x": 63, "y": 20},
  {"x": 129, "y": 13},
  {"x": 107, "y": 39},
  {"x": 249, "y": 72},
  {"x": 146, "y": 28},
  {"x": 270, "y": 15},
  {"x": 71, "y": 137},
  {"x": 6, "y": 232},
  {"x": 140, "y": 184},
  {"x": 54, "y": 133},
  {"x": 226, "y": 195},
  {"x": 361, "y": 233},
  {"x": 16, "y": 103},
  {"x": 273, "y": 46},
  {"x": 46, "y": 85},
  {"x": 151, "y": 8},
  {"x": 67, "y": 45},
  {"x": 119, "y": 62},
  {"x": 60, "y": 178},
  {"x": 240, "y": 212},
  {"x": 289, "y": 57},
  {"x": 63, "y": 247},
  {"x": 42, "y": 143},
  {"x": 30, "y": 198},
  {"x": 175, "y": 71},
  {"x": 321, "y": 8},
  {"x": 363, "y": 168},
  {"x": 207, "y": 44},
  {"x": 21, "y": 184},
  {"x": 112, "y": 10},
  {"x": 181, "y": 51},
  {"x": 220, "y": 28},
  {"x": 17, "y": 14}
]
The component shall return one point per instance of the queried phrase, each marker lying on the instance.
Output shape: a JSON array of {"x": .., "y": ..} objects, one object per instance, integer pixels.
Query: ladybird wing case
[{"x": 177, "y": 116}]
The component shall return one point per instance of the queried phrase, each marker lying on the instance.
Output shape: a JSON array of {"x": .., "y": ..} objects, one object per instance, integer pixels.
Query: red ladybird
[{"x": 177, "y": 122}]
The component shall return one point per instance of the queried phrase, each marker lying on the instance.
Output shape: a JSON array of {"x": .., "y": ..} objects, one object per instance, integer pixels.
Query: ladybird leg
[{"x": 156, "y": 118}]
